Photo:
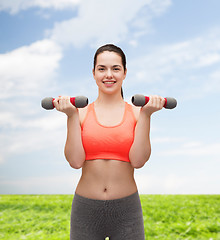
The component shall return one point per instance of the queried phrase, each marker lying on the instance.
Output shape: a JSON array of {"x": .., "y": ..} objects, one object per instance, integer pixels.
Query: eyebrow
[{"x": 112, "y": 66}]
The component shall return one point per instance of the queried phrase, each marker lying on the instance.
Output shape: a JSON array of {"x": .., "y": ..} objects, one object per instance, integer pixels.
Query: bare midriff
[{"x": 106, "y": 180}]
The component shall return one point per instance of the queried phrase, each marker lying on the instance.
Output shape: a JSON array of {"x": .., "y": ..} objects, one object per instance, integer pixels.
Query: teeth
[{"x": 109, "y": 82}]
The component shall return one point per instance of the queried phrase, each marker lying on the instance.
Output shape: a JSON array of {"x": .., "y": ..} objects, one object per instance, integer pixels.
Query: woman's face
[{"x": 109, "y": 72}]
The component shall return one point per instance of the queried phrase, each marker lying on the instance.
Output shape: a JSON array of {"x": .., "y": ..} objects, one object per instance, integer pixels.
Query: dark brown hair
[{"x": 111, "y": 48}]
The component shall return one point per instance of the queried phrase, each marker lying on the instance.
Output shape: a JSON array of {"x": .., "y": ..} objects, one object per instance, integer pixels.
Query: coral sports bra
[{"x": 108, "y": 142}]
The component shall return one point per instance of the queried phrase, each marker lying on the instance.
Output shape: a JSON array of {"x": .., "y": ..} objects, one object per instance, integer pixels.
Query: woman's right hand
[
  {"x": 155, "y": 104},
  {"x": 64, "y": 105}
]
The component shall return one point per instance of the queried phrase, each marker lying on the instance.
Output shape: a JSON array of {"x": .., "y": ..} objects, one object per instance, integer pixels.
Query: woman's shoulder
[
  {"x": 82, "y": 114},
  {"x": 136, "y": 111}
]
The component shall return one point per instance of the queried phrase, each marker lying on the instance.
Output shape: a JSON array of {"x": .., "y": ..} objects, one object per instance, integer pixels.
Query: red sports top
[{"x": 108, "y": 142}]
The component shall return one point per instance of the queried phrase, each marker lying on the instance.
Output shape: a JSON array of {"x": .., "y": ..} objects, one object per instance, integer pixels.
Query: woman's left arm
[{"x": 141, "y": 148}]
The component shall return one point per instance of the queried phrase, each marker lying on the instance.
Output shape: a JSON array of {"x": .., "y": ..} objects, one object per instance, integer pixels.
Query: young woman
[{"x": 108, "y": 140}]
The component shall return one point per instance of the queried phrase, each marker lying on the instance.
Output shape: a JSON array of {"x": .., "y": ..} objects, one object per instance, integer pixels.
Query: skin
[{"x": 108, "y": 179}]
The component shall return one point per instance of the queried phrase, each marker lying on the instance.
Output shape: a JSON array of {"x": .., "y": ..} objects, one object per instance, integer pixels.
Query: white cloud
[
  {"x": 26, "y": 70},
  {"x": 59, "y": 184},
  {"x": 48, "y": 120},
  {"x": 18, "y": 5},
  {"x": 24, "y": 132},
  {"x": 175, "y": 184},
  {"x": 107, "y": 21},
  {"x": 190, "y": 67},
  {"x": 208, "y": 59},
  {"x": 26, "y": 73},
  {"x": 166, "y": 140},
  {"x": 158, "y": 6},
  {"x": 195, "y": 53},
  {"x": 194, "y": 149}
]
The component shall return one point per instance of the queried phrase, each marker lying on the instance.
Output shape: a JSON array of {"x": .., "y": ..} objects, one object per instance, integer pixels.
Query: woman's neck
[{"x": 107, "y": 99}]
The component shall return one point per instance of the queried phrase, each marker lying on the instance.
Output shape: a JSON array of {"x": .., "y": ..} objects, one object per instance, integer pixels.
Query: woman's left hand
[{"x": 155, "y": 104}]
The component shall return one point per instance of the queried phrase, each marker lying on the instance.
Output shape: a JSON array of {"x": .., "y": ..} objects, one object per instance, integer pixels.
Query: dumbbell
[
  {"x": 141, "y": 100},
  {"x": 78, "y": 102}
]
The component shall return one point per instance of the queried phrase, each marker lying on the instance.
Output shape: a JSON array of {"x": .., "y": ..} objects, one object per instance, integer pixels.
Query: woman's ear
[
  {"x": 125, "y": 73},
  {"x": 93, "y": 72}
]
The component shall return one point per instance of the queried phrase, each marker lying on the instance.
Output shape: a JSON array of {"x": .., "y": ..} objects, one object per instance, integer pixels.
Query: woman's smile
[{"x": 109, "y": 83}]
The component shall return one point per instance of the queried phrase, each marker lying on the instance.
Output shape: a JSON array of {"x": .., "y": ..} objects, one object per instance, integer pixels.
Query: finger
[
  {"x": 63, "y": 103},
  {"x": 159, "y": 102},
  {"x": 60, "y": 103},
  {"x": 151, "y": 100},
  {"x": 67, "y": 101},
  {"x": 59, "y": 98},
  {"x": 155, "y": 101},
  {"x": 55, "y": 103},
  {"x": 162, "y": 101}
]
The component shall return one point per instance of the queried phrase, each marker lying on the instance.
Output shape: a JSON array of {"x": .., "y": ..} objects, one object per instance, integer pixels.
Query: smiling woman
[
  {"x": 167, "y": 54},
  {"x": 108, "y": 139}
]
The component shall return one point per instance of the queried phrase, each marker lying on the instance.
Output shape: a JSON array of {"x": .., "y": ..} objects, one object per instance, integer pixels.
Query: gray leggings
[{"x": 118, "y": 219}]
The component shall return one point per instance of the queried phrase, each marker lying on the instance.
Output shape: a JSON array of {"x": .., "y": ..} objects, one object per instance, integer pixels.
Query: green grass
[
  {"x": 181, "y": 216},
  {"x": 175, "y": 217}
]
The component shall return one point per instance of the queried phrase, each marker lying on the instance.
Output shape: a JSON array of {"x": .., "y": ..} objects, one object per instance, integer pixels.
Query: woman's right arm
[{"x": 74, "y": 151}]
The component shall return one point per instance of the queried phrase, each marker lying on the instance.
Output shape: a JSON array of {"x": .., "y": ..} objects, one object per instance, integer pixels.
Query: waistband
[{"x": 131, "y": 198}]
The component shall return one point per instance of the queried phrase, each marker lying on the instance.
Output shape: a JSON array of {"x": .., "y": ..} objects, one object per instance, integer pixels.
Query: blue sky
[{"x": 172, "y": 49}]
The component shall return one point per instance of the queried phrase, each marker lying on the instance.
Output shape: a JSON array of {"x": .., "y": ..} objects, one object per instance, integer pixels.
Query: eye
[
  {"x": 116, "y": 69},
  {"x": 101, "y": 69}
]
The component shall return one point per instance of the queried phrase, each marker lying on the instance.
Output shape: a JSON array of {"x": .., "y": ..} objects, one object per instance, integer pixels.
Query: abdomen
[{"x": 106, "y": 179}]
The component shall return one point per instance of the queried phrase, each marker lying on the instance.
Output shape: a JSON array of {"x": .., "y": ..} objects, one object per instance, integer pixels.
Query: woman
[{"x": 108, "y": 140}]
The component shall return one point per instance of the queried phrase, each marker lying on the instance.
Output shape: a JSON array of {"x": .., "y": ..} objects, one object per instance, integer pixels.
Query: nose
[{"x": 109, "y": 73}]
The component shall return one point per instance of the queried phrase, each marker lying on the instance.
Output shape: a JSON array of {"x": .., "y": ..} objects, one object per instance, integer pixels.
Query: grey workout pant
[{"x": 118, "y": 219}]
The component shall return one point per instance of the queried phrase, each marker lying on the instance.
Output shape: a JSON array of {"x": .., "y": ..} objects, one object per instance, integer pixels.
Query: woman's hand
[
  {"x": 155, "y": 104},
  {"x": 64, "y": 105}
]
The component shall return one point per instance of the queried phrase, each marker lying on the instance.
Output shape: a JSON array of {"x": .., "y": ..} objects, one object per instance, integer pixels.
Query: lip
[{"x": 109, "y": 82}]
